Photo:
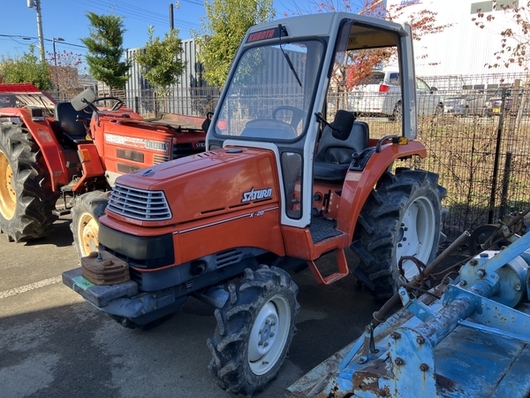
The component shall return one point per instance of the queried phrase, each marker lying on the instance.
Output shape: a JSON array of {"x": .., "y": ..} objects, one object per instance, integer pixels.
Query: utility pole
[
  {"x": 171, "y": 16},
  {"x": 36, "y": 4},
  {"x": 171, "y": 20}
]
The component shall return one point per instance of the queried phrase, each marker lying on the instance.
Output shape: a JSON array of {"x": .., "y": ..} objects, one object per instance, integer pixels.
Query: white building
[{"x": 462, "y": 49}]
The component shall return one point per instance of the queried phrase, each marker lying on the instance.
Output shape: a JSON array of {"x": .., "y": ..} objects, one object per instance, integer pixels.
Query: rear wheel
[
  {"x": 402, "y": 217},
  {"x": 481, "y": 235},
  {"x": 85, "y": 221},
  {"x": 254, "y": 330},
  {"x": 397, "y": 113},
  {"x": 439, "y": 111},
  {"x": 26, "y": 198}
]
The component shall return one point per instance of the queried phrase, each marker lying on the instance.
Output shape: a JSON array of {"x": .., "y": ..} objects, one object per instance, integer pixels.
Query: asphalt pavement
[{"x": 54, "y": 344}]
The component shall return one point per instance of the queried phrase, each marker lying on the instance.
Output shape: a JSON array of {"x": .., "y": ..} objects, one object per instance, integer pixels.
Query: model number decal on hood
[
  {"x": 256, "y": 194},
  {"x": 136, "y": 142}
]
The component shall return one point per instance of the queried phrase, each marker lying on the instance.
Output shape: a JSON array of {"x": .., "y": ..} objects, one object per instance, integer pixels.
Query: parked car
[
  {"x": 494, "y": 104},
  {"x": 379, "y": 94},
  {"x": 469, "y": 104}
]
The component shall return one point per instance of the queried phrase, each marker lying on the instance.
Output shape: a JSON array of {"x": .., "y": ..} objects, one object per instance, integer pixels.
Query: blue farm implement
[{"x": 467, "y": 338}]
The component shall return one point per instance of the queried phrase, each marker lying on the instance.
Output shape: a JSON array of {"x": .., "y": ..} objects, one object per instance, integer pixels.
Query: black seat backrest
[
  {"x": 66, "y": 118},
  {"x": 334, "y": 156}
]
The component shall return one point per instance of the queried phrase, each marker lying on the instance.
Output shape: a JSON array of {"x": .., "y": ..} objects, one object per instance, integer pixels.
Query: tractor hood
[{"x": 196, "y": 187}]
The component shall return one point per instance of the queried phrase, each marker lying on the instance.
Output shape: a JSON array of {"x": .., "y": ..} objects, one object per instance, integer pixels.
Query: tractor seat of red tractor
[
  {"x": 68, "y": 122},
  {"x": 340, "y": 140}
]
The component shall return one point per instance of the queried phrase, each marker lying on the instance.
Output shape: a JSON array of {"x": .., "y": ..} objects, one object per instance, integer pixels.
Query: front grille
[
  {"x": 139, "y": 204},
  {"x": 157, "y": 159},
  {"x": 182, "y": 149},
  {"x": 228, "y": 257}
]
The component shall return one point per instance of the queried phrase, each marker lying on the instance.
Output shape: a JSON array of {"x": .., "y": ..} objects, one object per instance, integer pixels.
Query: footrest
[{"x": 342, "y": 272}]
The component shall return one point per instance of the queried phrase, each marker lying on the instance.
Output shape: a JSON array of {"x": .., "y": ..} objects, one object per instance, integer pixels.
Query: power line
[
  {"x": 28, "y": 37},
  {"x": 137, "y": 13},
  {"x": 196, "y": 2}
]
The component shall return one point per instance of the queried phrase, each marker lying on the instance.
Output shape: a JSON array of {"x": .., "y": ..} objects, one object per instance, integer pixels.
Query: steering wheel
[
  {"x": 297, "y": 114},
  {"x": 117, "y": 105}
]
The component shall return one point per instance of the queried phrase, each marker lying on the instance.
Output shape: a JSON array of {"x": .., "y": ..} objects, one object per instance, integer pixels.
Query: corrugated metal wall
[{"x": 187, "y": 96}]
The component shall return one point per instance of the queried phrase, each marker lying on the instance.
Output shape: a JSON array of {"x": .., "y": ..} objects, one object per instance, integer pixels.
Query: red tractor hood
[{"x": 208, "y": 184}]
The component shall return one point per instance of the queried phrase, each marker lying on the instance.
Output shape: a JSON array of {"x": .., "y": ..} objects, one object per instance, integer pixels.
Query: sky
[{"x": 67, "y": 19}]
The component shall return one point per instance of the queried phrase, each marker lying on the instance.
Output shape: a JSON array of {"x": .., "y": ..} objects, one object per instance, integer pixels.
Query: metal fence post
[{"x": 497, "y": 159}]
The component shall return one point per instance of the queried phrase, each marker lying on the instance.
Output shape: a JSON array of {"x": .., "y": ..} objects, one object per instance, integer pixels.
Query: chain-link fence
[
  {"x": 479, "y": 145},
  {"x": 482, "y": 158}
]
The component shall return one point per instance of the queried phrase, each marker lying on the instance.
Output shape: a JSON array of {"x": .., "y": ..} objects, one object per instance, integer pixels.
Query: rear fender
[
  {"x": 44, "y": 137},
  {"x": 359, "y": 184}
]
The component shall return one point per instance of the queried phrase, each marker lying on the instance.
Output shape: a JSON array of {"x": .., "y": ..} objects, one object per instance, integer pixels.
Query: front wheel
[
  {"x": 254, "y": 330},
  {"x": 401, "y": 217},
  {"x": 85, "y": 221}
]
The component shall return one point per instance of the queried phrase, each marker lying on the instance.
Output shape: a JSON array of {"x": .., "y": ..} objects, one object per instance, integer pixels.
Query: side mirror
[{"x": 81, "y": 100}]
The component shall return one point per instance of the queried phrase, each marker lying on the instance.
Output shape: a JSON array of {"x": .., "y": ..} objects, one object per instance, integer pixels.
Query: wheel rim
[
  {"x": 269, "y": 335},
  {"x": 417, "y": 234},
  {"x": 87, "y": 234},
  {"x": 8, "y": 196}
]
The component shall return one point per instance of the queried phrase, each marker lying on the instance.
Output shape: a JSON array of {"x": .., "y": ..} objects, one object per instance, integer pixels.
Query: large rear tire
[
  {"x": 254, "y": 330},
  {"x": 402, "y": 217},
  {"x": 85, "y": 221},
  {"x": 26, "y": 198}
]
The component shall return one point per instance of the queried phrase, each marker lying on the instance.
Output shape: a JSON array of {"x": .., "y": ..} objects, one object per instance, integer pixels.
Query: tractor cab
[{"x": 288, "y": 93}]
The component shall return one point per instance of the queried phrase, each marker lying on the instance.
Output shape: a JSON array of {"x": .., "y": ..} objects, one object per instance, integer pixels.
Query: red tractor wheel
[
  {"x": 85, "y": 221},
  {"x": 26, "y": 199}
]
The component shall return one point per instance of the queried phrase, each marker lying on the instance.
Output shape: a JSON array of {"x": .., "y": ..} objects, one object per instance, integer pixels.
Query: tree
[
  {"x": 105, "y": 50},
  {"x": 423, "y": 23},
  {"x": 160, "y": 62},
  {"x": 26, "y": 69},
  {"x": 224, "y": 27},
  {"x": 514, "y": 46},
  {"x": 66, "y": 73},
  {"x": 514, "y": 39}
]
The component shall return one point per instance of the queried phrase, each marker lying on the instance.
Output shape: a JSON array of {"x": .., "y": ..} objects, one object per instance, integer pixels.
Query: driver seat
[
  {"x": 334, "y": 156},
  {"x": 67, "y": 121}
]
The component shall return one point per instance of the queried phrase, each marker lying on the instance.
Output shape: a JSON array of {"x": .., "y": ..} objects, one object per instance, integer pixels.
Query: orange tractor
[
  {"x": 52, "y": 153},
  {"x": 278, "y": 187}
]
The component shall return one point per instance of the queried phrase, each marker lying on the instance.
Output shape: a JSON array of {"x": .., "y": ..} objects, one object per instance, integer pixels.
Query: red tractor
[
  {"x": 51, "y": 153},
  {"x": 278, "y": 187}
]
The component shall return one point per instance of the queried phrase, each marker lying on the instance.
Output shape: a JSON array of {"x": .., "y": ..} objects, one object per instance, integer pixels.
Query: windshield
[{"x": 271, "y": 91}]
